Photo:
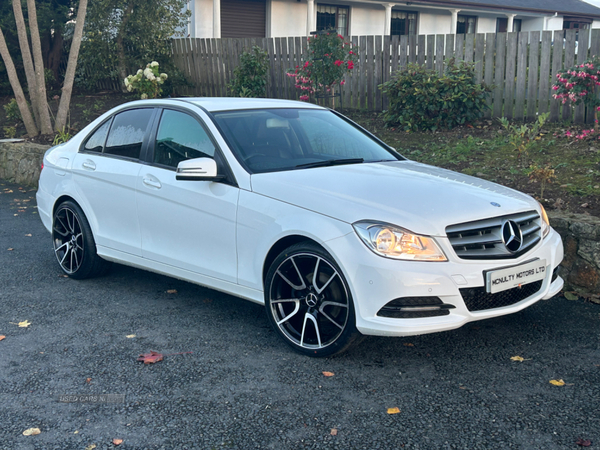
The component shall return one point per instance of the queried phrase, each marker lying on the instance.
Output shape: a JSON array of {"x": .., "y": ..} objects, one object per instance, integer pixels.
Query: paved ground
[{"x": 241, "y": 388}]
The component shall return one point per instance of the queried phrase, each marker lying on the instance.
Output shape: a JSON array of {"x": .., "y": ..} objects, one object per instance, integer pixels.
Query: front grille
[
  {"x": 483, "y": 239},
  {"x": 414, "y": 308},
  {"x": 476, "y": 299}
]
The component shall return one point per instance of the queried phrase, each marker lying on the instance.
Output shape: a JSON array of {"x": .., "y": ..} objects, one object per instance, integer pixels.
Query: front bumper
[{"x": 374, "y": 281}]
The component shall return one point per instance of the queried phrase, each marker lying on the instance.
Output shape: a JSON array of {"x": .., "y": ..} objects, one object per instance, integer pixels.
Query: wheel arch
[
  {"x": 280, "y": 246},
  {"x": 60, "y": 200}
]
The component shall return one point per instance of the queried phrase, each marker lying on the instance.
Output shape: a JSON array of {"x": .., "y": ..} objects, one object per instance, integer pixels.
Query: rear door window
[
  {"x": 95, "y": 142},
  {"x": 127, "y": 133}
]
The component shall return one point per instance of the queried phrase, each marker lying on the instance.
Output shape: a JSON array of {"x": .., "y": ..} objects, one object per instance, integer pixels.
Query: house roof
[{"x": 562, "y": 7}]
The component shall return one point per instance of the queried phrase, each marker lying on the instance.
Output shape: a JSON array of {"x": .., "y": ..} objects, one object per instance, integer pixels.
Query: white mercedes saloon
[{"x": 294, "y": 206}]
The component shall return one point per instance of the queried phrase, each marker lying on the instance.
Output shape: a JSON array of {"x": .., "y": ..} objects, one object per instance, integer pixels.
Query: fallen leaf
[
  {"x": 28, "y": 235},
  {"x": 328, "y": 374},
  {"x": 150, "y": 358},
  {"x": 393, "y": 410},
  {"x": 117, "y": 441},
  {"x": 31, "y": 432},
  {"x": 333, "y": 432},
  {"x": 91, "y": 447},
  {"x": 172, "y": 291},
  {"x": 76, "y": 432},
  {"x": 519, "y": 358},
  {"x": 583, "y": 442},
  {"x": 2, "y": 337},
  {"x": 130, "y": 336},
  {"x": 24, "y": 324},
  {"x": 88, "y": 380},
  {"x": 571, "y": 296},
  {"x": 10, "y": 249},
  {"x": 557, "y": 382},
  {"x": 408, "y": 344}
]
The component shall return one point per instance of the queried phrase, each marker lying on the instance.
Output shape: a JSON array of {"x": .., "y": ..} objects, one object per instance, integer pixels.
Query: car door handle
[
  {"x": 89, "y": 164},
  {"x": 151, "y": 181}
]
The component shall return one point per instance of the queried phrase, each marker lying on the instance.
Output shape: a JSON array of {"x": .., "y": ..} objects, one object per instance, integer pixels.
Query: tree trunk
[
  {"x": 16, "y": 85},
  {"x": 121, "y": 60},
  {"x": 27, "y": 61},
  {"x": 65, "y": 98},
  {"x": 46, "y": 124}
]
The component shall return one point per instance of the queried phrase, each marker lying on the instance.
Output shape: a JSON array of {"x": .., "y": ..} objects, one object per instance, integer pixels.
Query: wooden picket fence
[{"x": 521, "y": 66}]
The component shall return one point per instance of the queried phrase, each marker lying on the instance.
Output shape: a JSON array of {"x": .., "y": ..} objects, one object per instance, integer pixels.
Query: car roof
[{"x": 213, "y": 104}]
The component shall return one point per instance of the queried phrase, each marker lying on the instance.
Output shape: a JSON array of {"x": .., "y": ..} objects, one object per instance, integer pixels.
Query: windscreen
[{"x": 267, "y": 140}]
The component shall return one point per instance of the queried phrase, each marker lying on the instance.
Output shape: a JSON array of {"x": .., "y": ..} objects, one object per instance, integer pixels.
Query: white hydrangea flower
[
  {"x": 148, "y": 72},
  {"x": 164, "y": 76},
  {"x": 144, "y": 96},
  {"x": 127, "y": 81},
  {"x": 153, "y": 64},
  {"x": 129, "y": 88},
  {"x": 139, "y": 71}
]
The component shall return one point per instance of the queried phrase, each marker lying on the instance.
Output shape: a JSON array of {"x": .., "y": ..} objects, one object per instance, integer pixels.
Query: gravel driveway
[{"x": 227, "y": 381}]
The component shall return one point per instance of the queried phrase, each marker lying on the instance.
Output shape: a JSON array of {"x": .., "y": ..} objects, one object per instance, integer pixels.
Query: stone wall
[
  {"x": 581, "y": 239},
  {"x": 21, "y": 162}
]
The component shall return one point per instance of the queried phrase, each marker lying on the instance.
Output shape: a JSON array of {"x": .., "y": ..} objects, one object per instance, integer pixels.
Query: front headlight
[
  {"x": 394, "y": 242},
  {"x": 545, "y": 222}
]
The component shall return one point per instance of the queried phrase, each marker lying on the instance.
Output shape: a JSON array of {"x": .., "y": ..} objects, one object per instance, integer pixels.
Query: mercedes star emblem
[{"x": 512, "y": 236}]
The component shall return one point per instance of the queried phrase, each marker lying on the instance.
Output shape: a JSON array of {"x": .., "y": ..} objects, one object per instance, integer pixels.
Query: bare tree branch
[
  {"x": 65, "y": 98},
  {"x": 16, "y": 85},
  {"x": 27, "y": 61},
  {"x": 46, "y": 124}
]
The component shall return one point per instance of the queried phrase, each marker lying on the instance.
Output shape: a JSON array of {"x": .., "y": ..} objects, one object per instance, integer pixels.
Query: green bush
[
  {"x": 419, "y": 99},
  {"x": 12, "y": 110},
  {"x": 250, "y": 77}
]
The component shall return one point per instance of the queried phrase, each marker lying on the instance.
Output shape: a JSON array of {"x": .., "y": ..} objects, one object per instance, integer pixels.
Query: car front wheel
[
  {"x": 308, "y": 301},
  {"x": 74, "y": 244}
]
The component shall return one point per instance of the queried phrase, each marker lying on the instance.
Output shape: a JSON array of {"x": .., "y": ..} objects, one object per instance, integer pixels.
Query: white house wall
[
  {"x": 288, "y": 18},
  {"x": 486, "y": 24},
  {"x": 204, "y": 18},
  {"x": 366, "y": 19},
  {"x": 434, "y": 23}
]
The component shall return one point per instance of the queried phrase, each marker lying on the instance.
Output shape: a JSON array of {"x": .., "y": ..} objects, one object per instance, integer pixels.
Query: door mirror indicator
[{"x": 198, "y": 169}]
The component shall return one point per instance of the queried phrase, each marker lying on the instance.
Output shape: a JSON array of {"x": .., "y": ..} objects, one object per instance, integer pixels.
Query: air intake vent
[
  {"x": 476, "y": 299},
  {"x": 497, "y": 238}
]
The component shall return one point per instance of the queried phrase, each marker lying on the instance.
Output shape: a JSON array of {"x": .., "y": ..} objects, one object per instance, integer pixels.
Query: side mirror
[{"x": 198, "y": 169}]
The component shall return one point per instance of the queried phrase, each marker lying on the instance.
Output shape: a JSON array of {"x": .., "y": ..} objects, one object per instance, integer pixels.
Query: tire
[
  {"x": 74, "y": 244},
  {"x": 308, "y": 301}
]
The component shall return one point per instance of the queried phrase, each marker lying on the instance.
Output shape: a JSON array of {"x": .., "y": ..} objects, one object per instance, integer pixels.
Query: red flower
[
  {"x": 350, "y": 65},
  {"x": 306, "y": 64},
  {"x": 338, "y": 63}
]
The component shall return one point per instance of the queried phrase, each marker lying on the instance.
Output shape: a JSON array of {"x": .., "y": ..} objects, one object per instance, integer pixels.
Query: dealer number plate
[{"x": 503, "y": 279}]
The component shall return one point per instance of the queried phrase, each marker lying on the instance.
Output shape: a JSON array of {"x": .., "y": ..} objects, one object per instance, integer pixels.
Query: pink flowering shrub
[
  {"x": 330, "y": 57},
  {"x": 579, "y": 85}
]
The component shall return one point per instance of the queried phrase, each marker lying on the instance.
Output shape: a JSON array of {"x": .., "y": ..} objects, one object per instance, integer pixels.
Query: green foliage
[
  {"x": 521, "y": 137},
  {"x": 145, "y": 28},
  {"x": 422, "y": 100},
  {"x": 250, "y": 77},
  {"x": 11, "y": 109},
  {"x": 147, "y": 82},
  {"x": 330, "y": 57},
  {"x": 61, "y": 136},
  {"x": 10, "y": 132}
]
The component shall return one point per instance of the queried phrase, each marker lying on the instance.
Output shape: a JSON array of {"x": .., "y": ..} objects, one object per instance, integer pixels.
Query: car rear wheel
[
  {"x": 308, "y": 301},
  {"x": 74, "y": 244}
]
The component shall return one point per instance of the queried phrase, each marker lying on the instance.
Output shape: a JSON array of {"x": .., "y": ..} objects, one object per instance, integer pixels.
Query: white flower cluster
[{"x": 150, "y": 73}]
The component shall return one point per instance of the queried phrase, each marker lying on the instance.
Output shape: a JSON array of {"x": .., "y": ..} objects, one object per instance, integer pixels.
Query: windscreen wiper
[{"x": 331, "y": 162}]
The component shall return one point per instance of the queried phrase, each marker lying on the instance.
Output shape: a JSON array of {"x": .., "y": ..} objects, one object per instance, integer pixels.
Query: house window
[
  {"x": 403, "y": 23},
  {"x": 465, "y": 24},
  {"x": 576, "y": 23},
  {"x": 333, "y": 17},
  {"x": 502, "y": 25}
]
